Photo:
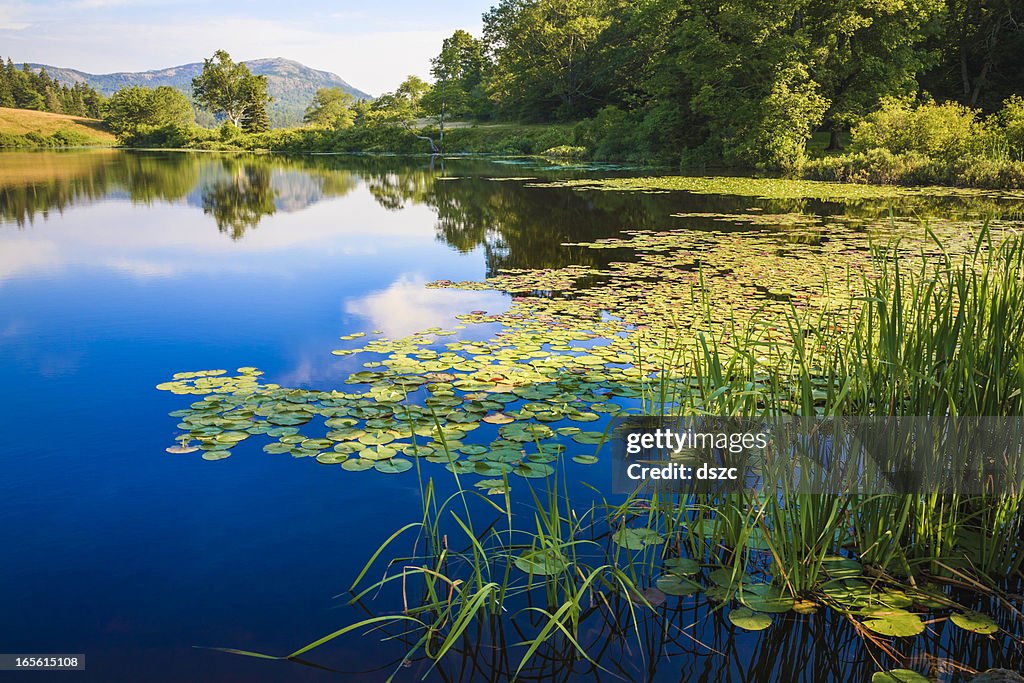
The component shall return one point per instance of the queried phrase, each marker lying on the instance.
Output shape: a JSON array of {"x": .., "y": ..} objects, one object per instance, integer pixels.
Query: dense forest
[
  {"x": 902, "y": 91},
  {"x": 26, "y": 89},
  {"x": 744, "y": 80}
]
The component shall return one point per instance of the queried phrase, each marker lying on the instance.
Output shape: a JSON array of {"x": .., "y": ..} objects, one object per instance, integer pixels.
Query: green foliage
[
  {"x": 458, "y": 73},
  {"x": 400, "y": 107},
  {"x": 135, "y": 110},
  {"x": 60, "y": 138},
  {"x": 1011, "y": 118},
  {"x": 978, "y": 47},
  {"x": 230, "y": 89},
  {"x": 546, "y": 56},
  {"x": 945, "y": 131},
  {"x": 331, "y": 108},
  {"x": 782, "y": 126},
  {"x": 27, "y": 89},
  {"x": 565, "y": 152}
]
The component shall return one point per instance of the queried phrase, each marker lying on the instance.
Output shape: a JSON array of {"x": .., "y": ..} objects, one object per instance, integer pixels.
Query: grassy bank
[
  {"x": 25, "y": 128},
  {"x": 504, "y": 138}
]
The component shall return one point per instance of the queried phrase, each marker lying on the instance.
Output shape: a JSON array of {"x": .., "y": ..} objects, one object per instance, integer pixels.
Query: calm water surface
[{"x": 119, "y": 269}]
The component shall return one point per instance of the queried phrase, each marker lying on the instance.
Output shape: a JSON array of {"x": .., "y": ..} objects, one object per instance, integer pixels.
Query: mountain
[{"x": 291, "y": 84}]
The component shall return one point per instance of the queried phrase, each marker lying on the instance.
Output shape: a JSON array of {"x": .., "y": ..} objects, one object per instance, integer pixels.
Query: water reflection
[
  {"x": 241, "y": 199},
  {"x": 517, "y": 226},
  {"x": 407, "y": 306},
  {"x": 477, "y": 204}
]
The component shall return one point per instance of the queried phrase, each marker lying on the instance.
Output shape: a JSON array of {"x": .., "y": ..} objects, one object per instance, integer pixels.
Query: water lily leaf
[
  {"x": 637, "y": 539},
  {"x": 726, "y": 579},
  {"x": 842, "y": 567},
  {"x": 589, "y": 438},
  {"x": 376, "y": 438},
  {"x": 182, "y": 449},
  {"x": 460, "y": 466},
  {"x": 378, "y": 453},
  {"x": 232, "y": 437},
  {"x": 974, "y": 621},
  {"x": 749, "y": 620},
  {"x": 277, "y": 448},
  {"x": 357, "y": 464},
  {"x": 542, "y": 561},
  {"x": 894, "y": 623},
  {"x": 525, "y": 432},
  {"x": 585, "y": 459},
  {"x": 533, "y": 470},
  {"x": 331, "y": 458},
  {"x": 493, "y": 486},
  {"x": 393, "y": 466},
  {"x": 216, "y": 455},
  {"x": 898, "y": 676},
  {"x": 671, "y": 584},
  {"x": 682, "y": 565},
  {"x": 770, "y": 599}
]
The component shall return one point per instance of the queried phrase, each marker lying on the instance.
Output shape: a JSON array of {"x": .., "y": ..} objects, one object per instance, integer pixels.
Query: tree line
[
  {"x": 739, "y": 80},
  {"x": 27, "y": 89}
]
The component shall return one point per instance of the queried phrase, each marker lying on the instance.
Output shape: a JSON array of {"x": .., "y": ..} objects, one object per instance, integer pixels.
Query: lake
[{"x": 120, "y": 269}]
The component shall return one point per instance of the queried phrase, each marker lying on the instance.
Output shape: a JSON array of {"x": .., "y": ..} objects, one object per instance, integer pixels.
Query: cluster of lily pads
[
  {"x": 881, "y": 609},
  {"x": 564, "y": 354}
]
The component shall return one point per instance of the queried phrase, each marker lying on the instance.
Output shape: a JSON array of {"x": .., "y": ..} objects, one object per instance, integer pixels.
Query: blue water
[
  {"x": 119, "y": 269},
  {"x": 118, "y": 550}
]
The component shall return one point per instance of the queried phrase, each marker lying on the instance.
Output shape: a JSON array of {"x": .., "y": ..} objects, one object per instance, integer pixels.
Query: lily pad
[
  {"x": 749, "y": 620},
  {"x": 357, "y": 464},
  {"x": 671, "y": 584},
  {"x": 898, "y": 676},
  {"x": 894, "y": 623},
  {"x": 682, "y": 565},
  {"x": 637, "y": 539},
  {"x": 533, "y": 470},
  {"x": 974, "y": 621},
  {"x": 542, "y": 561},
  {"x": 393, "y": 466}
]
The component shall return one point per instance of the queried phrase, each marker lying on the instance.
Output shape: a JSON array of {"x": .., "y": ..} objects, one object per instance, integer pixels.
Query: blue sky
[{"x": 372, "y": 45}]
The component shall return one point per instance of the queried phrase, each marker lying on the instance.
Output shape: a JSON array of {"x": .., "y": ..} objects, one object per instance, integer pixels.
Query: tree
[
  {"x": 231, "y": 89},
  {"x": 402, "y": 107},
  {"x": 131, "y": 110},
  {"x": 981, "y": 48},
  {"x": 458, "y": 75},
  {"x": 544, "y": 53},
  {"x": 861, "y": 51},
  {"x": 331, "y": 108}
]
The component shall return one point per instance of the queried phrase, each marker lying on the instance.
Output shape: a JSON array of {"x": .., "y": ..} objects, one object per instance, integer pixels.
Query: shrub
[
  {"x": 565, "y": 152},
  {"x": 1011, "y": 120},
  {"x": 946, "y": 131}
]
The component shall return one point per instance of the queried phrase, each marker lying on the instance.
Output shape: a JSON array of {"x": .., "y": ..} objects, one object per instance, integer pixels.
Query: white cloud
[
  {"x": 27, "y": 256},
  {"x": 407, "y": 306}
]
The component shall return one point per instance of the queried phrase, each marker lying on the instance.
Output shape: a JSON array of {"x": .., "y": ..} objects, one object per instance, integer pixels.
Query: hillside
[
  {"x": 291, "y": 84},
  {"x": 73, "y": 130}
]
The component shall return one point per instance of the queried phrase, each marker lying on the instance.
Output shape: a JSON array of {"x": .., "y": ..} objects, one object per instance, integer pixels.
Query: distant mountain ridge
[{"x": 291, "y": 84}]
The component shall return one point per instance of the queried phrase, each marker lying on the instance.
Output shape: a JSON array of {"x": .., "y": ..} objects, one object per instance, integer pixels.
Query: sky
[{"x": 372, "y": 45}]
